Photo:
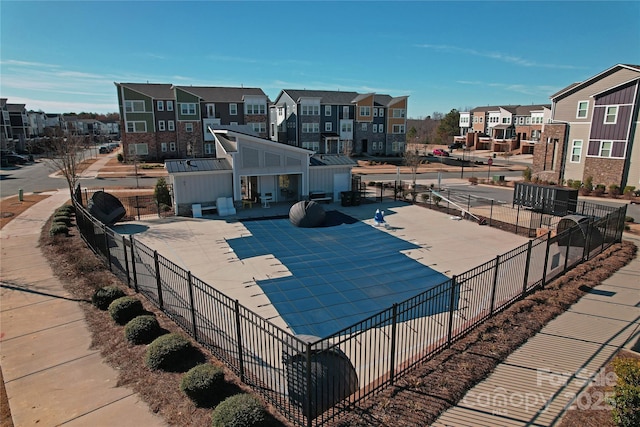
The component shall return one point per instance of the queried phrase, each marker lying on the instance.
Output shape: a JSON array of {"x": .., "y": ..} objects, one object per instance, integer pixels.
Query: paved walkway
[
  {"x": 51, "y": 374},
  {"x": 550, "y": 372}
]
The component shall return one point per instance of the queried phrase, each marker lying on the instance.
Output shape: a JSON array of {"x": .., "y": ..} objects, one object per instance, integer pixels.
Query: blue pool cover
[{"x": 340, "y": 274}]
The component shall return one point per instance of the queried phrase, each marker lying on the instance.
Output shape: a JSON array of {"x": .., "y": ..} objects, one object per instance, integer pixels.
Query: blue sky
[{"x": 65, "y": 56}]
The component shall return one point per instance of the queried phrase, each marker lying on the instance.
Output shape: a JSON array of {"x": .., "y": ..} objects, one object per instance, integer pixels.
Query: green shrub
[
  {"x": 142, "y": 329},
  {"x": 62, "y": 219},
  {"x": 241, "y": 410},
  {"x": 120, "y": 157},
  {"x": 588, "y": 183},
  {"x": 124, "y": 309},
  {"x": 575, "y": 184},
  {"x": 161, "y": 192},
  {"x": 527, "y": 173},
  {"x": 59, "y": 228},
  {"x": 626, "y": 393},
  {"x": 203, "y": 384},
  {"x": 173, "y": 353},
  {"x": 629, "y": 219},
  {"x": 105, "y": 296},
  {"x": 629, "y": 190},
  {"x": 614, "y": 190},
  {"x": 65, "y": 209}
]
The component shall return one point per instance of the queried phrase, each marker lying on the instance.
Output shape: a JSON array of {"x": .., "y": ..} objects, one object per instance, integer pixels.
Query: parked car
[
  {"x": 15, "y": 159},
  {"x": 455, "y": 145},
  {"x": 104, "y": 149},
  {"x": 440, "y": 152}
]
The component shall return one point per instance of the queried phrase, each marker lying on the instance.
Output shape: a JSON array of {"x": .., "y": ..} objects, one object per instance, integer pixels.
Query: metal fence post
[
  {"x": 239, "y": 339},
  {"x": 493, "y": 287},
  {"x": 156, "y": 263},
  {"x": 106, "y": 246},
  {"x": 546, "y": 260},
  {"x": 308, "y": 380},
  {"x": 394, "y": 313},
  {"x": 566, "y": 254},
  {"x": 133, "y": 264},
  {"x": 452, "y": 300},
  {"x": 193, "y": 308},
  {"x": 126, "y": 260},
  {"x": 526, "y": 269},
  {"x": 137, "y": 207},
  {"x": 517, "y": 218}
]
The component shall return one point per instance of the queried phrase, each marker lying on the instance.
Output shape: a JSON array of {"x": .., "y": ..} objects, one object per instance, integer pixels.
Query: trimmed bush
[
  {"x": 59, "y": 228},
  {"x": 203, "y": 384},
  {"x": 62, "y": 219},
  {"x": 173, "y": 353},
  {"x": 105, "y": 296},
  {"x": 66, "y": 209},
  {"x": 123, "y": 309},
  {"x": 626, "y": 393},
  {"x": 241, "y": 410},
  {"x": 142, "y": 329}
]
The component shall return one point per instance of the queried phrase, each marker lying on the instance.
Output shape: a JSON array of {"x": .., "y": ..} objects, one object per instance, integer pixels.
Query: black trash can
[
  {"x": 355, "y": 198},
  {"x": 346, "y": 198}
]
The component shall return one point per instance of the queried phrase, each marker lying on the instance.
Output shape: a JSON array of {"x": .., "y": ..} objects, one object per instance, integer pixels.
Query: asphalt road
[{"x": 36, "y": 177}]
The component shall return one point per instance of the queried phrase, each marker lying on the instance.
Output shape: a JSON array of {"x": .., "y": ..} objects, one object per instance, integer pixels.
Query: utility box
[{"x": 558, "y": 201}]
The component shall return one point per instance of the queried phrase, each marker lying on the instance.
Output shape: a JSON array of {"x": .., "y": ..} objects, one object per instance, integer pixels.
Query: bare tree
[
  {"x": 413, "y": 161},
  {"x": 66, "y": 156}
]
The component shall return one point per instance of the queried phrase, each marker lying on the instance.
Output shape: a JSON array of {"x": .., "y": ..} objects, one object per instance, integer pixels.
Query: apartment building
[
  {"x": 336, "y": 122},
  {"x": 160, "y": 121},
  {"x": 593, "y": 131},
  {"x": 503, "y": 128}
]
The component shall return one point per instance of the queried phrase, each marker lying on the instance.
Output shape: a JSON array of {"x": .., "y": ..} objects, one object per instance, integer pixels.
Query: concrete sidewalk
[
  {"x": 550, "y": 373},
  {"x": 51, "y": 374}
]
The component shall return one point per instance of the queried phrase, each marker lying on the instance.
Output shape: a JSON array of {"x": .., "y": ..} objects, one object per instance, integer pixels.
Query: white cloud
[
  {"x": 511, "y": 59},
  {"x": 27, "y": 64},
  {"x": 536, "y": 90},
  {"x": 51, "y": 106}
]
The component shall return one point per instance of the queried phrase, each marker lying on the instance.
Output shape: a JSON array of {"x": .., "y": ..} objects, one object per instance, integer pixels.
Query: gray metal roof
[
  {"x": 197, "y": 165},
  {"x": 331, "y": 97},
  {"x": 331, "y": 160},
  {"x": 152, "y": 90},
  {"x": 222, "y": 94}
]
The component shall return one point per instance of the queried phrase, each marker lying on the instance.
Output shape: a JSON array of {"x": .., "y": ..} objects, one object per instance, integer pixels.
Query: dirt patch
[{"x": 11, "y": 207}]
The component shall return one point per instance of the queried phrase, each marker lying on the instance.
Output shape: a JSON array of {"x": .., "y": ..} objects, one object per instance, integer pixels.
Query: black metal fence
[
  {"x": 313, "y": 382},
  {"x": 522, "y": 220},
  {"x": 137, "y": 206}
]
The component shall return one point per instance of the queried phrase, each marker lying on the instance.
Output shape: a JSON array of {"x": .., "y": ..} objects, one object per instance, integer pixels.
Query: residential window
[
  {"x": 161, "y": 125},
  {"x": 233, "y": 123},
  {"x": 375, "y": 112},
  {"x": 381, "y": 112},
  {"x": 136, "y": 127},
  {"x": 346, "y": 127},
  {"x": 169, "y": 105},
  {"x": 211, "y": 110},
  {"x": 327, "y": 110},
  {"x": 345, "y": 112},
  {"x": 576, "y": 151},
  {"x": 160, "y": 105},
  {"x": 380, "y": 128},
  {"x": 233, "y": 109},
  {"x": 188, "y": 127},
  {"x": 138, "y": 149},
  {"x": 134, "y": 106},
  {"x": 256, "y": 108},
  {"x": 259, "y": 127},
  {"x": 396, "y": 146},
  {"x": 365, "y": 111},
  {"x": 398, "y": 129},
  {"x": 328, "y": 126},
  {"x": 311, "y": 145},
  {"x": 364, "y": 127},
  {"x": 528, "y": 120},
  {"x": 171, "y": 125},
  {"x": 611, "y": 116},
  {"x": 605, "y": 148},
  {"x": 583, "y": 106},
  {"x": 375, "y": 128},
  {"x": 310, "y": 127},
  {"x": 398, "y": 113},
  {"x": 506, "y": 120},
  {"x": 521, "y": 120},
  {"x": 163, "y": 147},
  {"x": 481, "y": 119},
  {"x": 310, "y": 110},
  {"x": 188, "y": 109},
  {"x": 172, "y": 146},
  {"x": 208, "y": 148}
]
